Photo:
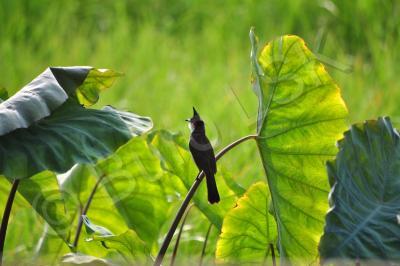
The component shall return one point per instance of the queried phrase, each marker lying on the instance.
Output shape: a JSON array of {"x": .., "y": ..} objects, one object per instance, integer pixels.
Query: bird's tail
[{"x": 213, "y": 195}]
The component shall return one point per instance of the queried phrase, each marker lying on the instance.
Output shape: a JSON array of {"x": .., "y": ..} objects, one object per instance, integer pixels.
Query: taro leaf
[
  {"x": 176, "y": 159},
  {"x": 43, "y": 194},
  {"x": 301, "y": 115},
  {"x": 82, "y": 259},
  {"x": 23, "y": 230},
  {"x": 27, "y": 243},
  {"x": 72, "y": 134},
  {"x": 139, "y": 188},
  {"x": 77, "y": 186},
  {"x": 365, "y": 178},
  {"x": 127, "y": 244},
  {"x": 96, "y": 81},
  {"x": 49, "y": 91},
  {"x": 48, "y": 248},
  {"x": 248, "y": 229}
]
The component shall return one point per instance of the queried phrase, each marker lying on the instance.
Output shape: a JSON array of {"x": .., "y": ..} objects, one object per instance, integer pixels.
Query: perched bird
[{"x": 203, "y": 154}]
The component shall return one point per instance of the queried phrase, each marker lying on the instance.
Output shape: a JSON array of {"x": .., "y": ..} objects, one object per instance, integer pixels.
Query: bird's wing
[
  {"x": 213, "y": 162},
  {"x": 203, "y": 154}
]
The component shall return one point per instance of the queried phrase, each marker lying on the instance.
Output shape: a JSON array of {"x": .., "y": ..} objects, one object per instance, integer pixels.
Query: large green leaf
[
  {"x": 248, "y": 229},
  {"x": 23, "y": 229},
  {"x": 44, "y": 126},
  {"x": 43, "y": 194},
  {"x": 127, "y": 244},
  {"x": 139, "y": 188},
  {"x": 77, "y": 187},
  {"x": 72, "y": 134},
  {"x": 26, "y": 241},
  {"x": 365, "y": 204},
  {"x": 49, "y": 91},
  {"x": 301, "y": 114}
]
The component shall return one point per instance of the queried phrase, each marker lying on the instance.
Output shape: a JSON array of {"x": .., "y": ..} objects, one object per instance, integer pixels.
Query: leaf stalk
[
  {"x": 203, "y": 251},
  {"x": 6, "y": 217},
  {"x": 84, "y": 212},
  {"x": 179, "y": 236}
]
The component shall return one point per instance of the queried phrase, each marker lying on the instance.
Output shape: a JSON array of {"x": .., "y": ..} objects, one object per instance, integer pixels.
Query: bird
[{"x": 203, "y": 154}]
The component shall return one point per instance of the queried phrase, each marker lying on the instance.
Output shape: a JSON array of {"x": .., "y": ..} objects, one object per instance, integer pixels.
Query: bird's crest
[{"x": 195, "y": 113}]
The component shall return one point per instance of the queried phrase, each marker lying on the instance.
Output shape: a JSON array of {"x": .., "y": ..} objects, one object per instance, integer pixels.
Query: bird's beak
[{"x": 187, "y": 120}]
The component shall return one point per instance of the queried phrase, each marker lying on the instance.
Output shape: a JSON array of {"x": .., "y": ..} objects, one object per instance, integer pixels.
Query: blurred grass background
[{"x": 183, "y": 53}]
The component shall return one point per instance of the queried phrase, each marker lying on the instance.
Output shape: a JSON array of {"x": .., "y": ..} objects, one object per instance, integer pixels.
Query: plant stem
[
  {"x": 271, "y": 246},
  {"x": 189, "y": 196},
  {"x": 203, "y": 251},
  {"x": 6, "y": 216},
  {"x": 179, "y": 235},
  {"x": 84, "y": 211}
]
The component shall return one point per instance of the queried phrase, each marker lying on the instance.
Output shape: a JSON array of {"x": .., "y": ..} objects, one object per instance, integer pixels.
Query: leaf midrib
[
  {"x": 276, "y": 78},
  {"x": 360, "y": 227}
]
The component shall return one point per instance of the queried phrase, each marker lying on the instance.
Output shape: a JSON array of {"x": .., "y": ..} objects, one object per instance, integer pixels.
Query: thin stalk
[
  {"x": 84, "y": 211},
  {"x": 189, "y": 196},
  {"x": 203, "y": 251},
  {"x": 271, "y": 246},
  {"x": 179, "y": 235},
  {"x": 6, "y": 216}
]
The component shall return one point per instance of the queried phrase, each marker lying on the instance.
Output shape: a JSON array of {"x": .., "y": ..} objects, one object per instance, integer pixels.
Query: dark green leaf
[
  {"x": 365, "y": 204},
  {"x": 72, "y": 134},
  {"x": 49, "y": 91}
]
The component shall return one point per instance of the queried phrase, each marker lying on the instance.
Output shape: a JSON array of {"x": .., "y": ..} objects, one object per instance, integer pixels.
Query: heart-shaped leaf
[
  {"x": 128, "y": 244},
  {"x": 249, "y": 230},
  {"x": 134, "y": 181},
  {"x": 43, "y": 194},
  {"x": 49, "y": 91},
  {"x": 365, "y": 197},
  {"x": 301, "y": 115},
  {"x": 72, "y": 134}
]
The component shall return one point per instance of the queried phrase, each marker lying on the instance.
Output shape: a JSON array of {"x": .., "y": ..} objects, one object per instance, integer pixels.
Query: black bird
[{"x": 203, "y": 154}]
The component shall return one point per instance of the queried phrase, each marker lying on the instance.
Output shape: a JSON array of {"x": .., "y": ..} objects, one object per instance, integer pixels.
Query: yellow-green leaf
[
  {"x": 248, "y": 229},
  {"x": 301, "y": 115},
  {"x": 96, "y": 81}
]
